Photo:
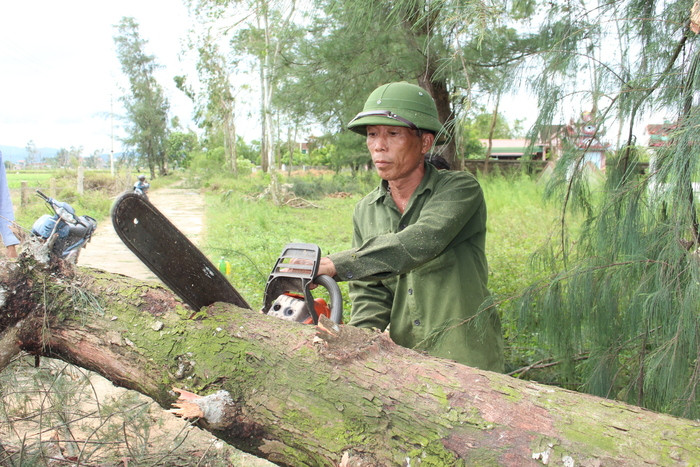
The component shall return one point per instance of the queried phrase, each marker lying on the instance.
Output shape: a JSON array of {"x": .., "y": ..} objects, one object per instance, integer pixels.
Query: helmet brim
[{"x": 360, "y": 125}]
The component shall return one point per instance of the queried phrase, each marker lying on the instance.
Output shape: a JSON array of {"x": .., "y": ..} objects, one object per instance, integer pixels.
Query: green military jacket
[{"x": 425, "y": 272}]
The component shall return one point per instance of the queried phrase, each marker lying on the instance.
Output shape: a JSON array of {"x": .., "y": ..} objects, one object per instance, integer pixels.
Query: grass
[
  {"x": 99, "y": 190},
  {"x": 33, "y": 178}
]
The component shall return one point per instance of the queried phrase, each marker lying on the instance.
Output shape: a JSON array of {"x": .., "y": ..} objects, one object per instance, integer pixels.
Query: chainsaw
[
  {"x": 288, "y": 289},
  {"x": 190, "y": 274}
]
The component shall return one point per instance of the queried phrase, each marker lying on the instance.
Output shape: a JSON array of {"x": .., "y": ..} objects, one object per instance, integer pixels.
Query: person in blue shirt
[
  {"x": 7, "y": 214},
  {"x": 141, "y": 186}
]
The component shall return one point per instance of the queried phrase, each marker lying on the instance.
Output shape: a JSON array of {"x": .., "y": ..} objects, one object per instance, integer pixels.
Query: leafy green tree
[
  {"x": 216, "y": 104},
  {"x": 481, "y": 126},
  {"x": 62, "y": 158},
  {"x": 67, "y": 157},
  {"x": 345, "y": 149},
  {"x": 94, "y": 160},
  {"x": 180, "y": 147},
  {"x": 488, "y": 126},
  {"x": 146, "y": 106},
  {"x": 450, "y": 48},
  {"x": 266, "y": 32},
  {"x": 250, "y": 151},
  {"x": 623, "y": 295}
]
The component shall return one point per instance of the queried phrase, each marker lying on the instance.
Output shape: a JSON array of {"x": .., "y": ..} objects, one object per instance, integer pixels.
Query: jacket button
[
  {"x": 417, "y": 322},
  {"x": 410, "y": 291},
  {"x": 402, "y": 226},
  {"x": 349, "y": 275}
]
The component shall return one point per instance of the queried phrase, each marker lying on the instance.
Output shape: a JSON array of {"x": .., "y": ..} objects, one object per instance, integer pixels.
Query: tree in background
[
  {"x": 623, "y": 298},
  {"x": 266, "y": 34},
  {"x": 180, "y": 146},
  {"x": 453, "y": 50},
  {"x": 146, "y": 106},
  {"x": 70, "y": 158},
  {"x": 33, "y": 154},
  {"x": 94, "y": 160},
  {"x": 215, "y": 104},
  {"x": 486, "y": 126}
]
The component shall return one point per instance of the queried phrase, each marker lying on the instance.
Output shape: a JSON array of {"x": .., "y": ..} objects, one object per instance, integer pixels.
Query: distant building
[
  {"x": 659, "y": 133},
  {"x": 582, "y": 134},
  {"x": 513, "y": 149}
]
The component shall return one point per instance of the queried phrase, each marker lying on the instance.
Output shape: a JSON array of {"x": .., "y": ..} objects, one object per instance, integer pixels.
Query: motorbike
[{"x": 64, "y": 231}]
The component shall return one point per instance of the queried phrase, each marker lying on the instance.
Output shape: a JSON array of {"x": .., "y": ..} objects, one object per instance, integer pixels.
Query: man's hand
[{"x": 326, "y": 267}]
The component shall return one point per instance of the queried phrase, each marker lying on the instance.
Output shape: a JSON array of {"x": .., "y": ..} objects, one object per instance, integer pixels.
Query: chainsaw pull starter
[{"x": 288, "y": 294}]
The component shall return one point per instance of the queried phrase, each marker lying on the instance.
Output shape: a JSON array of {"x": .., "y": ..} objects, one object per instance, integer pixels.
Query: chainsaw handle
[{"x": 336, "y": 298}]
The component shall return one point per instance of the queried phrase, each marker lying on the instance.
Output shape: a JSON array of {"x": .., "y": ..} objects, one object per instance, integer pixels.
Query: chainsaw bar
[{"x": 169, "y": 254}]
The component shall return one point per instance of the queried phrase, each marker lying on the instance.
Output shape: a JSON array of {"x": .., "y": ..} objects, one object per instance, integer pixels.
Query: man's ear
[{"x": 427, "y": 139}]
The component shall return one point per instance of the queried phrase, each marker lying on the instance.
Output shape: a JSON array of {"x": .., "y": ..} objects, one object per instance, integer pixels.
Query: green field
[{"x": 33, "y": 179}]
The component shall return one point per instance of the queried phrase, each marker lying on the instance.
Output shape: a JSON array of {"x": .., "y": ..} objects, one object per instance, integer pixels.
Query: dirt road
[{"x": 184, "y": 208}]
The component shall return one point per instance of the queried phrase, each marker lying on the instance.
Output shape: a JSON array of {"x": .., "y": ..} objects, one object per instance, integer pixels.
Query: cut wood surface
[{"x": 319, "y": 395}]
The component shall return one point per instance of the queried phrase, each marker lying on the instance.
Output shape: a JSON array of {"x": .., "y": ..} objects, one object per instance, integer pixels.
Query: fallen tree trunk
[{"x": 326, "y": 395}]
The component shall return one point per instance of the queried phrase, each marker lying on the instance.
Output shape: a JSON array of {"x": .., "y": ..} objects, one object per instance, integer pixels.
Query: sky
[
  {"x": 60, "y": 72},
  {"x": 61, "y": 78}
]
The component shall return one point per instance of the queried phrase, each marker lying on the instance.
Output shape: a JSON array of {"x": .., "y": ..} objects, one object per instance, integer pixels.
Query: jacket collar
[{"x": 427, "y": 184}]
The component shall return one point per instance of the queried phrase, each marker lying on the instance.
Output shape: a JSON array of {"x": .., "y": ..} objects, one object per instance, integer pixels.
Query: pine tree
[
  {"x": 146, "y": 106},
  {"x": 624, "y": 290}
]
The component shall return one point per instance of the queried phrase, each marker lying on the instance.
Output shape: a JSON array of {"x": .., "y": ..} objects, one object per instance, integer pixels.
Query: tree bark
[
  {"x": 441, "y": 96},
  {"x": 318, "y": 395}
]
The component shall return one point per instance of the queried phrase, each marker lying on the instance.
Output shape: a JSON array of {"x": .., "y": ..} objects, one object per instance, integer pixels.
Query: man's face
[{"x": 397, "y": 152}]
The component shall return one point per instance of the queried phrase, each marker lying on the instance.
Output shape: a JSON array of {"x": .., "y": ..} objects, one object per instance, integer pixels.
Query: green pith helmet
[{"x": 400, "y": 104}]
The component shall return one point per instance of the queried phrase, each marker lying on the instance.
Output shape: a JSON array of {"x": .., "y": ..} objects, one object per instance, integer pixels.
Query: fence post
[{"x": 80, "y": 179}]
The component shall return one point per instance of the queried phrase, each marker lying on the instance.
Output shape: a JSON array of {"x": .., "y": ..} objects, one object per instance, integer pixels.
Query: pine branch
[
  {"x": 545, "y": 363},
  {"x": 650, "y": 90}
]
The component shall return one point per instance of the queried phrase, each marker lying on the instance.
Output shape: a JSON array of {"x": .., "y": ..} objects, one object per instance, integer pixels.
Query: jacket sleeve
[
  {"x": 6, "y": 211},
  {"x": 443, "y": 217},
  {"x": 371, "y": 305},
  {"x": 371, "y": 301}
]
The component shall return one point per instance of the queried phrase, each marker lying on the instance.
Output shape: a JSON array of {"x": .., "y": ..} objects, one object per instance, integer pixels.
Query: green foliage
[
  {"x": 518, "y": 223},
  {"x": 316, "y": 187},
  {"x": 624, "y": 282},
  {"x": 66, "y": 158},
  {"x": 181, "y": 146},
  {"x": 146, "y": 105},
  {"x": 480, "y": 127}
]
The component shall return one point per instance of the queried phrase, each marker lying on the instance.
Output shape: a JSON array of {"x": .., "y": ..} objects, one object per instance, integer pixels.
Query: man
[
  {"x": 141, "y": 186},
  {"x": 418, "y": 262},
  {"x": 7, "y": 214}
]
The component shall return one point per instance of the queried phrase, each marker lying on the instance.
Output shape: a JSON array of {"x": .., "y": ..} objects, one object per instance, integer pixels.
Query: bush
[{"x": 317, "y": 186}]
